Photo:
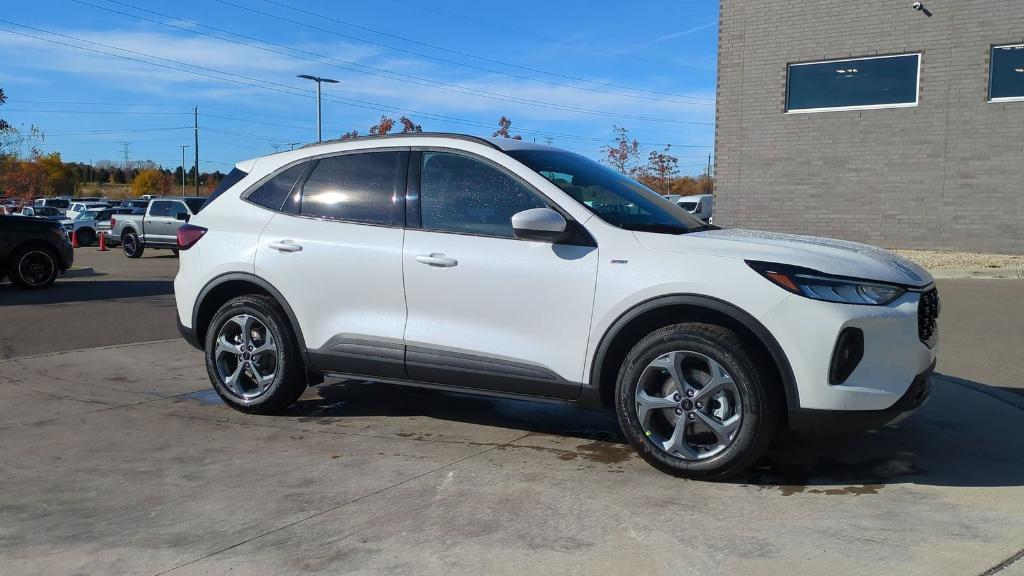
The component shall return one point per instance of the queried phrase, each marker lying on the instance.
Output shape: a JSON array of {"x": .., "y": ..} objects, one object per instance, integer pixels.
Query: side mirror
[
  {"x": 183, "y": 216},
  {"x": 539, "y": 224}
]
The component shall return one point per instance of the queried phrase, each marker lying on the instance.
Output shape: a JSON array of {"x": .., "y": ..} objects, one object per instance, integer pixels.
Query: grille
[{"x": 927, "y": 316}]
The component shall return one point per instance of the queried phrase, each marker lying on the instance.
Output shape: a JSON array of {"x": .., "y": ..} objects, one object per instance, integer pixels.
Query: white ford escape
[{"x": 507, "y": 268}]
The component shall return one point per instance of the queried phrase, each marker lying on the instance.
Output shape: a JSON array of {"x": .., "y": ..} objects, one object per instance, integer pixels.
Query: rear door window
[
  {"x": 361, "y": 187},
  {"x": 273, "y": 193},
  {"x": 160, "y": 209}
]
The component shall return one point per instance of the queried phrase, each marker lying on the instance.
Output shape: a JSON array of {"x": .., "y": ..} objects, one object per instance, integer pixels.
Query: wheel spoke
[
  {"x": 268, "y": 346},
  {"x": 245, "y": 322},
  {"x": 677, "y": 444},
  {"x": 720, "y": 379},
  {"x": 262, "y": 380},
  {"x": 226, "y": 346},
  {"x": 234, "y": 380},
  {"x": 645, "y": 403},
  {"x": 723, "y": 431}
]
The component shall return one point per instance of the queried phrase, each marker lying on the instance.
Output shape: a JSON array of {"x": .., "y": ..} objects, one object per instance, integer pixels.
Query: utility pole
[
  {"x": 183, "y": 146},
  {"x": 318, "y": 80},
  {"x": 196, "y": 111}
]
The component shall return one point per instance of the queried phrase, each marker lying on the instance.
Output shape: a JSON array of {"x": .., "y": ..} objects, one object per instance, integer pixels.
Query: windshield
[
  {"x": 614, "y": 198},
  {"x": 691, "y": 206},
  {"x": 86, "y": 216},
  {"x": 195, "y": 204}
]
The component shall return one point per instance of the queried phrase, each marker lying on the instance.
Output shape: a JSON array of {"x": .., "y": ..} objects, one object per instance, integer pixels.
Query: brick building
[{"x": 874, "y": 121}]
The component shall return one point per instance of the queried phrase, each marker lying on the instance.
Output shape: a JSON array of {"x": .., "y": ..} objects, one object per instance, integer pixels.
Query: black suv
[{"x": 33, "y": 252}]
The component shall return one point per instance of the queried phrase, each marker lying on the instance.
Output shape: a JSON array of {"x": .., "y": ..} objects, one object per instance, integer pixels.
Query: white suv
[{"x": 508, "y": 268}]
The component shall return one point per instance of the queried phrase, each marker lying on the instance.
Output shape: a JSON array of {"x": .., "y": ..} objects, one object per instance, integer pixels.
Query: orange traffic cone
[
  {"x": 74, "y": 239},
  {"x": 103, "y": 242}
]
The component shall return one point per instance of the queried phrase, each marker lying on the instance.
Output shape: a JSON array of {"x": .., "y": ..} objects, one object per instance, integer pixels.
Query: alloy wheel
[
  {"x": 246, "y": 357},
  {"x": 688, "y": 405}
]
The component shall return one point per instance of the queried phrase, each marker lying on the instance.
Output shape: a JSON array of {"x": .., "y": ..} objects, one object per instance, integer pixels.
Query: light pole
[
  {"x": 318, "y": 80},
  {"x": 183, "y": 146}
]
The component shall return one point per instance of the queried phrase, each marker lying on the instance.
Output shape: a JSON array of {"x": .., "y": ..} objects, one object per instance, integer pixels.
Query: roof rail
[{"x": 401, "y": 135}]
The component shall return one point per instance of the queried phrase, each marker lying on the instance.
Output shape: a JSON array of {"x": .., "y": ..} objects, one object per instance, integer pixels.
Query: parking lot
[{"x": 118, "y": 458}]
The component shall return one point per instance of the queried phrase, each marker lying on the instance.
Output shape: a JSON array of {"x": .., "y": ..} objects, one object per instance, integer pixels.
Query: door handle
[
  {"x": 437, "y": 259},
  {"x": 286, "y": 246}
]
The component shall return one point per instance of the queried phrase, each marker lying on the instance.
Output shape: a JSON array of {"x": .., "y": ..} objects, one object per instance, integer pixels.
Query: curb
[
  {"x": 992, "y": 273},
  {"x": 79, "y": 272}
]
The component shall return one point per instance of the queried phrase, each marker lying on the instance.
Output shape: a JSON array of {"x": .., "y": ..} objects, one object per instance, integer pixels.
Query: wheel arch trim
[
  {"x": 711, "y": 303},
  {"x": 222, "y": 279}
]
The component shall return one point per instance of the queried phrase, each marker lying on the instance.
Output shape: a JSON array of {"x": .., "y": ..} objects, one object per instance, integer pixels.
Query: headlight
[{"x": 819, "y": 286}]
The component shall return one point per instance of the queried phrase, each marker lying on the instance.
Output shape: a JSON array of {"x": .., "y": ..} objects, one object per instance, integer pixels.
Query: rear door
[
  {"x": 334, "y": 251},
  {"x": 155, "y": 223},
  {"x": 487, "y": 310}
]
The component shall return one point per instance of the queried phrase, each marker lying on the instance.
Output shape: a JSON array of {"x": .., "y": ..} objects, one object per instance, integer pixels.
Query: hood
[{"x": 837, "y": 257}]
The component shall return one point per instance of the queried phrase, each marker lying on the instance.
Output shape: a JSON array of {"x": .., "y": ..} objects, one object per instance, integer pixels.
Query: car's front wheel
[
  {"x": 692, "y": 402},
  {"x": 86, "y": 236},
  {"x": 252, "y": 357}
]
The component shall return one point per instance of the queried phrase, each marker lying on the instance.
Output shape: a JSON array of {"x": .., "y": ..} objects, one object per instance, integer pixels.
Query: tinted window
[
  {"x": 354, "y": 187},
  {"x": 176, "y": 208},
  {"x": 272, "y": 193},
  {"x": 160, "y": 208},
  {"x": 613, "y": 197},
  {"x": 889, "y": 80},
  {"x": 230, "y": 180},
  {"x": 1007, "y": 72},
  {"x": 195, "y": 204},
  {"x": 461, "y": 194}
]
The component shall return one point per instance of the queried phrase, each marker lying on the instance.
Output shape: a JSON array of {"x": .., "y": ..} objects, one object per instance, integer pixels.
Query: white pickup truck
[{"x": 157, "y": 228}]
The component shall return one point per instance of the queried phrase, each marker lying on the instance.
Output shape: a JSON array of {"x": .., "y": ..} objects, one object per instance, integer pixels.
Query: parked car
[
  {"x": 33, "y": 251},
  {"x": 157, "y": 228},
  {"x": 460, "y": 263},
  {"x": 701, "y": 205},
  {"x": 90, "y": 223},
  {"x": 61, "y": 204},
  {"x": 48, "y": 212},
  {"x": 77, "y": 208}
]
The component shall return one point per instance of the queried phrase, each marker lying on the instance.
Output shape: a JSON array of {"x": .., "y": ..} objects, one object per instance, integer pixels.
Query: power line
[
  {"x": 378, "y": 72},
  {"x": 460, "y": 53}
]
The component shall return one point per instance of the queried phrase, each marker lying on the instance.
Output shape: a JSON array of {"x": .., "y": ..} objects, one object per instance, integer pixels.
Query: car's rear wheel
[
  {"x": 131, "y": 245},
  {"x": 33, "y": 267},
  {"x": 252, "y": 357},
  {"x": 692, "y": 402},
  {"x": 86, "y": 236}
]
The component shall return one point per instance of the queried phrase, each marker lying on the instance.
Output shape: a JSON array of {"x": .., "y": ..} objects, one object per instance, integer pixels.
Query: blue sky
[{"x": 565, "y": 71}]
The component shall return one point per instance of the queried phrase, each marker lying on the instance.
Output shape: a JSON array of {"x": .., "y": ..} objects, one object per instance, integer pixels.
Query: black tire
[
  {"x": 33, "y": 267},
  {"x": 131, "y": 245},
  {"x": 86, "y": 237},
  {"x": 289, "y": 380},
  {"x": 759, "y": 400}
]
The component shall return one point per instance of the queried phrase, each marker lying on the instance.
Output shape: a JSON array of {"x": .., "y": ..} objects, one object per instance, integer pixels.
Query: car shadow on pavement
[
  {"x": 947, "y": 443},
  {"x": 84, "y": 291}
]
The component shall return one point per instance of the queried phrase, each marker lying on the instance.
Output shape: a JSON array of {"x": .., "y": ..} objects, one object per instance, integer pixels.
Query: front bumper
[{"x": 804, "y": 419}]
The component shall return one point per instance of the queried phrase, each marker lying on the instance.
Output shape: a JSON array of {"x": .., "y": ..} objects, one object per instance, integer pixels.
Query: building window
[
  {"x": 1006, "y": 78},
  {"x": 853, "y": 84}
]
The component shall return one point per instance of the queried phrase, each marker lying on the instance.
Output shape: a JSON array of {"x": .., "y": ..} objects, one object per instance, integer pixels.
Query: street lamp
[
  {"x": 318, "y": 80},
  {"x": 183, "y": 146}
]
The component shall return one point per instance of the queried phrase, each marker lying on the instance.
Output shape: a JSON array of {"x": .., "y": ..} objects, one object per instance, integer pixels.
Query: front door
[{"x": 486, "y": 310}]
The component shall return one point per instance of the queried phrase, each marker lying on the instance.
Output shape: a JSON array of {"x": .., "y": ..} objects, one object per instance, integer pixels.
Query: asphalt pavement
[{"x": 119, "y": 459}]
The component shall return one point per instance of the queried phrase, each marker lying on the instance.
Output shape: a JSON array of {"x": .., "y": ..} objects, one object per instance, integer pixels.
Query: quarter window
[
  {"x": 359, "y": 187},
  {"x": 1007, "y": 73},
  {"x": 461, "y": 194},
  {"x": 878, "y": 82},
  {"x": 272, "y": 193}
]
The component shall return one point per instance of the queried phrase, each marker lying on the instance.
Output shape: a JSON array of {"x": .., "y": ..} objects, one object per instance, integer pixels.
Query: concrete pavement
[{"x": 120, "y": 460}]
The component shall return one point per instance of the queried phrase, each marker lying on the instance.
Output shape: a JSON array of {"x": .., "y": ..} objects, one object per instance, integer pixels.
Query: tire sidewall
[
  {"x": 86, "y": 236},
  {"x": 744, "y": 447},
  {"x": 287, "y": 358},
  {"x": 130, "y": 245}
]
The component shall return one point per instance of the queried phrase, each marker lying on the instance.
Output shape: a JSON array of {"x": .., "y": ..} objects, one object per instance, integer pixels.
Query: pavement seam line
[
  {"x": 111, "y": 347},
  {"x": 5, "y": 426},
  {"x": 1004, "y": 564},
  {"x": 982, "y": 389},
  {"x": 342, "y": 505}
]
